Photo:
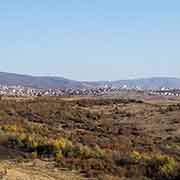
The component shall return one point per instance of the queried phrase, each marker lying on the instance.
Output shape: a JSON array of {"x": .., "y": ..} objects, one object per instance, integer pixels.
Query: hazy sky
[{"x": 90, "y": 39}]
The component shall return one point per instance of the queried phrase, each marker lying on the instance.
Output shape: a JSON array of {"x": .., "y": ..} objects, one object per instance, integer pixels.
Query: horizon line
[{"x": 58, "y": 76}]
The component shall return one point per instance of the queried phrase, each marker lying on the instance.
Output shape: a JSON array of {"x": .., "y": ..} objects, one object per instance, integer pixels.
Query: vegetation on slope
[{"x": 97, "y": 137}]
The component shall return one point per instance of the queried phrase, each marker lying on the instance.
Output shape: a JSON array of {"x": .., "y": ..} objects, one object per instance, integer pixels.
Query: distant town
[{"x": 20, "y": 91}]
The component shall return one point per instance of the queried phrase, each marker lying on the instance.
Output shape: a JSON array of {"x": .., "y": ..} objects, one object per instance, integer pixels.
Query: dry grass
[
  {"x": 101, "y": 135},
  {"x": 34, "y": 170}
]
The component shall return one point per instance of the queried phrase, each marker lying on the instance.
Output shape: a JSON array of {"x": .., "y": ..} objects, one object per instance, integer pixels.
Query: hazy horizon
[
  {"x": 33, "y": 75},
  {"x": 91, "y": 40}
]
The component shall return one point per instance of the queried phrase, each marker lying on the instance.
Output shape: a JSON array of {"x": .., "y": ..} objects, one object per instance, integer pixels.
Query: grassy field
[{"x": 89, "y": 138}]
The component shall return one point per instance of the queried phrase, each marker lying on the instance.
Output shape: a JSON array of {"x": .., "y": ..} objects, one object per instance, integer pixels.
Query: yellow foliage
[
  {"x": 100, "y": 153},
  {"x": 58, "y": 155},
  {"x": 12, "y": 128},
  {"x": 162, "y": 164},
  {"x": 9, "y": 128},
  {"x": 59, "y": 143},
  {"x": 166, "y": 164},
  {"x": 136, "y": 156},
  {"x": 85, "y": 151},
  {"x": 56, "y": 147},
  {"x": 34, "y": 155},
  {"x": 31, "y": 142}
]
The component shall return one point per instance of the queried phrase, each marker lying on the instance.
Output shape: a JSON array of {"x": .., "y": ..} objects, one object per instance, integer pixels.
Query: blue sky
[{"x": 90, "y": 39}]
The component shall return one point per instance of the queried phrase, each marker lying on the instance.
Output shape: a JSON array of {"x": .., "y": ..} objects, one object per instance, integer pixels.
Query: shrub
[
  {"x": 30, "y": 143},
  {"x": 162, "y": 166},
  {"x": 9, "y": 128},
  {"x": 154, "y": 166},
  {"x": 56, "y": 147},
  {"x": 34, "y": 155},
  {"x": 135, "y": 156},
  {"x": 93, "y": 115},
  {"x": 84, "y": 151},
  {"x": 100, "y": 153},
  {"x": 17, "y": 140},
  {"x": 58, "y": 155},
  {"x": 58, "y": 143},
  {"x": 12, "y": 128}
]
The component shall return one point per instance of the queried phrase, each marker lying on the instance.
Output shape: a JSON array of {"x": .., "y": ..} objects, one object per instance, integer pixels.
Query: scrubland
[{"x": 89, "y": 138}]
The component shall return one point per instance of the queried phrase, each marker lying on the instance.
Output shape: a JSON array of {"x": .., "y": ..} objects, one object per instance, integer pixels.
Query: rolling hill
[
  {"x": 37, "y": 81},
  {"x": 150, "y": 83},
  {"x": 145, "y": 83},
  {"x": 60, "y": 82}
]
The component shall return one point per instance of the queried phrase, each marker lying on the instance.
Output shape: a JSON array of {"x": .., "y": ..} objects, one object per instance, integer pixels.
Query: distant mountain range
[
  {"x": 37, "y": 81},
  {"x": 60, "y": 82},
  {"x": 144, "y": 83}
]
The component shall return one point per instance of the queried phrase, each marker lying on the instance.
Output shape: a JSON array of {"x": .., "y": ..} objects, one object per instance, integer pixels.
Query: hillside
[
  {"x": 150, "y": 83},
  {"x": 60, "y": 82},
  {"x": 145, "y": 83},
  {"x": 89, "y": 138},
  {"x": 37, "y": 82}
]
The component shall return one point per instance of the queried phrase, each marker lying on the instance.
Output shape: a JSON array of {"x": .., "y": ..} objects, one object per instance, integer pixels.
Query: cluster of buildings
[
  {"x": 20, "y": 91},
  {"x": 26, "y": 91},
  {"x": 166, "y": 92}
]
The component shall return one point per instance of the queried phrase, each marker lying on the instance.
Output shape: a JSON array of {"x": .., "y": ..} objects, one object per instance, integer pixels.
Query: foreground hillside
[
  {"x": 53, "y": 138},
  {"x": 34, "y": 170}
]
